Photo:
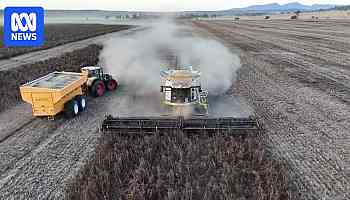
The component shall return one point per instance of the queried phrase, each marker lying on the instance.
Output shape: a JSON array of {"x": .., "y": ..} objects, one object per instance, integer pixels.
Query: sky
[{"x": 154, "y": 5}]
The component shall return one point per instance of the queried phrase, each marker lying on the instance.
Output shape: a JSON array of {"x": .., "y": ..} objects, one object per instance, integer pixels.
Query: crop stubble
[
  {"x": 295, "y": 74},
  {"x": 38, "y": 155},
  {"x": 69, "y": 141},
  {"x": 173, "y": 165}
]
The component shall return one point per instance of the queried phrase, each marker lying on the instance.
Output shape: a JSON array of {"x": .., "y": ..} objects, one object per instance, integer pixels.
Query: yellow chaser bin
[{"x": 56, "y": 92}]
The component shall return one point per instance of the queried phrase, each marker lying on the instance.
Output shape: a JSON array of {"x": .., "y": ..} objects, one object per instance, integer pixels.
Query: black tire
[
  {"x": 96, "y": 88},
  {"x": 71, "y": 108},
  {"x": 81, "y": 103},
  {"x": 111, "y": 84}
]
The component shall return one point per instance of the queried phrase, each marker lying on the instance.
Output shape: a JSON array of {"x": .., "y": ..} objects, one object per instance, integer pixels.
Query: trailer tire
[
  {"x": 81, "y": 102},
  {"x": 71, "y": 108},
  {"x": 112, "y": 85},
  {"x": 98, "y": 88}
]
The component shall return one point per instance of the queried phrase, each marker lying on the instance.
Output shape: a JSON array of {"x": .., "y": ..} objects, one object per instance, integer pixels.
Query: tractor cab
[
  {"x": 96, "y": 72},
  {"x": 98, "y": 81},
  {"x": 93, "y": 71}
]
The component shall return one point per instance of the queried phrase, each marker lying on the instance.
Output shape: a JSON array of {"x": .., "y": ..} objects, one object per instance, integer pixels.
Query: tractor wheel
[
  {"x": 71, "y": 108},
  {"x": 98, "y": 88},
  {"x": 112, "y": 84},
  {"x": 81, "y": 102}
]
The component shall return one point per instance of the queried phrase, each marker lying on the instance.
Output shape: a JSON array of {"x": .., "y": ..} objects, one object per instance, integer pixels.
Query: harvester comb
[{"x": 194, "y": 125}]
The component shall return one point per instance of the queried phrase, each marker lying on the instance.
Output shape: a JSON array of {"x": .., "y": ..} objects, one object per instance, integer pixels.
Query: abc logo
[
  {"x": 16, "y": 25},
  {"x": 30, "y": 22},
  {"x": 23, "y": 26}
]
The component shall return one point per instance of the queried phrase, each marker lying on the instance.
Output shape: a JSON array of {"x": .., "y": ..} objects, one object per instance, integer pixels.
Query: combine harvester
[{"x": 183, "y": 96}]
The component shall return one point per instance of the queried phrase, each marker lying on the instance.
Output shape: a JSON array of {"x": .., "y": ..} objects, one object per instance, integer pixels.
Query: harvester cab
[
  {"x": 98, "y": 81},
  {"x": 182, "y": 93}
]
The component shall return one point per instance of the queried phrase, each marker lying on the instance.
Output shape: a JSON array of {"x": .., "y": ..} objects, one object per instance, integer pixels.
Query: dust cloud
[{"x": 136, "y": 60}]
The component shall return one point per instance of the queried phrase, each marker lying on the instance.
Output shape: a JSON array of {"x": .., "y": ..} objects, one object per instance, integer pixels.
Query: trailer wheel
[
  {"x": 98, "y": 88},
  {"x": 71, "y": 108},
  {"x": 112, "y": 84},
  {"x": 81, "y": 102}
]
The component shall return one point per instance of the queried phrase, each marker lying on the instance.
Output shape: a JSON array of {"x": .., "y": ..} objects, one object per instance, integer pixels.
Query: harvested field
[
  {"x": 58, "y": 34},
  {"x": 37, "y": 155},
  {"x": 175, "y": 166},
  {"x": 296, "y": 75}
]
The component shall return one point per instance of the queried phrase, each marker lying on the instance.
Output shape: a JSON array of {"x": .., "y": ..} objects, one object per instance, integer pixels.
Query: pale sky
[{"x": 154, "y": 5}]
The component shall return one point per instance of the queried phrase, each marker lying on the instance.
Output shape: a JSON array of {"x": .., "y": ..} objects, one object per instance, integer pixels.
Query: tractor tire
[
  {"x": 71, "y": 108},
  {"x": 98, "y": 88},
  {"x": 81, "y": 102},
  {"x": 111, "y": 85}
]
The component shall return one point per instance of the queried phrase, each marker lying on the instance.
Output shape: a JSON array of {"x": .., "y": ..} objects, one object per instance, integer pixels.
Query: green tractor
[{"x": 98, "y": 82}]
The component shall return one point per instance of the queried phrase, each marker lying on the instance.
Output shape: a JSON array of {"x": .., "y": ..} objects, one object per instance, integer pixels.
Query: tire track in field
[{"x": 306, "y": 124}]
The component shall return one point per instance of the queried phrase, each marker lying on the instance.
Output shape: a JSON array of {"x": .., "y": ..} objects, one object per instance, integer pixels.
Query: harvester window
[
  {"x": 168, "y": 94},
  {"x": 180, "y": 95},
  {"x": 92, "y": 73},
  {"x": 194, "y": 94}
]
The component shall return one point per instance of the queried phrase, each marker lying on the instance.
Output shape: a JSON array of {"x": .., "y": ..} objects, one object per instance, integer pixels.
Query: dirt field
[
  {"x": 296, "y": 74},
  {"x": 38, "y": 155},
  {"x": 58, "y": 34},
  {"x": 173, "y": 165}
]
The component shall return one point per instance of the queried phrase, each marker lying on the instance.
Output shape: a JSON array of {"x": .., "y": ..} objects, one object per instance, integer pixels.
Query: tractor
[{"x": 98, "y": 82}]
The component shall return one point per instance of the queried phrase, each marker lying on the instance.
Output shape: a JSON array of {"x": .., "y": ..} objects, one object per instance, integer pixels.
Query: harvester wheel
[
  {"x": 71, "y": 108},
  {"x": 112, "y": 84},
  {"x": 98, "y": 88},
  {"x": 81, "y": 102}
]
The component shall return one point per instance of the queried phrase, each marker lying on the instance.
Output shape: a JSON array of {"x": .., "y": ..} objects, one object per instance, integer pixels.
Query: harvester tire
[
  {"x": 71, "y": 108},
  {"x": 112, "y": 85},
  {"x": 98, "y": 88},
  {"x": 81, "y": 102}
]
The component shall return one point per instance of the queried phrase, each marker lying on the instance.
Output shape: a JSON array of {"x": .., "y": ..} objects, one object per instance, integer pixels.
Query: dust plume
[{"x": 136, "y": 60}]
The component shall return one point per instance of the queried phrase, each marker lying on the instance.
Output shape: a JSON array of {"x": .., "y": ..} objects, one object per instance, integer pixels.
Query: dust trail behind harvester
[{"x": 136, "y": 61}]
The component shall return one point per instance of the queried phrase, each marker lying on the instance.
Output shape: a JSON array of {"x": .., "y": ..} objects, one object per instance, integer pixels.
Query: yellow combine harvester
[{"x": 183, "y": 94}]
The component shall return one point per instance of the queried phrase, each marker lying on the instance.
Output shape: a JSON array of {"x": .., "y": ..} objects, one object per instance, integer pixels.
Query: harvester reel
[{"x": 194, "y": 125}]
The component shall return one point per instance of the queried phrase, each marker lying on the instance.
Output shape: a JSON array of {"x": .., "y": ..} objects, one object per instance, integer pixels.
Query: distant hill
[
  {"x": 272, "y": 6},
  {"x": 264, "y": 9},
  {"x": 341, "y": 8},
  {"x": 275, "y": 7},
  {"x": 250, "y": 10}
]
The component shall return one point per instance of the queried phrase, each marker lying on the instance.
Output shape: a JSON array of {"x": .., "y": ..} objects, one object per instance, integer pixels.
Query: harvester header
[{"x": 193, "y": 125}]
